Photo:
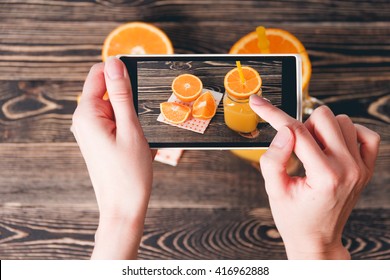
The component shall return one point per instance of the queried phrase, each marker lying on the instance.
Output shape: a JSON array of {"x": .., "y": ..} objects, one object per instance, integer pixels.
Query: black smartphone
[{"x": 171, "y": 119}]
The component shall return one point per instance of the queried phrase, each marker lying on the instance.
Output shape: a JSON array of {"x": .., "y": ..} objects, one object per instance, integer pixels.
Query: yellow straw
[
  {"x": 262, "y": 40},
  {"x": 239, "y": 68}
]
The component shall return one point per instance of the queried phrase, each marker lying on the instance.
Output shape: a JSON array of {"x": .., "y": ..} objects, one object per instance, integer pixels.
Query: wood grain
[
  {"x": 60, "y": 55},
  {"x": 53, "y": 173},
  {"x": 180, "y": 10},
  {"x": 56, "y": 173},
  {"x": 63, "y": 232}
]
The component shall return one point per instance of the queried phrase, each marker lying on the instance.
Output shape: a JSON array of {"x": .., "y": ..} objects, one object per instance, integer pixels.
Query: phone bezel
[{"x": 291, "y": 101}]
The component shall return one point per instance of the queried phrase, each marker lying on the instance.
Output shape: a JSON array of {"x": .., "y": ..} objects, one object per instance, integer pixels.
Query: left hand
[{"x": 118, "y": 158}]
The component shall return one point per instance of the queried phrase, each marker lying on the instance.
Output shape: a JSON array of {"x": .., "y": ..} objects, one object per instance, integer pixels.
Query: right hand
[{"x": 338, "y": 156}]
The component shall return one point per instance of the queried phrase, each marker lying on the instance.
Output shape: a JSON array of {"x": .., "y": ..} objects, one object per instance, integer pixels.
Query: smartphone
[{"x": 151, "y": 81}]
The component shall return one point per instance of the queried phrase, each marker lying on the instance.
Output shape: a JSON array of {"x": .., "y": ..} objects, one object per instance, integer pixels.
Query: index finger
[{"x": 306, "y": 148}]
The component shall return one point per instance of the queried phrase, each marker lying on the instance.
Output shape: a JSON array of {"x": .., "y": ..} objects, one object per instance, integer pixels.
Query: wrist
[
  {"x": 124, "y": 206},
  {"x": 318, "y": 251},
  {"x": 118, "y": 237}
]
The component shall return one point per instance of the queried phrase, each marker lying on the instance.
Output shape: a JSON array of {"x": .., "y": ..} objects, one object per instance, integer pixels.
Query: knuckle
[
  {"x": 349, "y": 177},
  {"x": 322, "y": 111},
  {"x": 332, "y": 179},
  {"x": 354, "y": 174},
  {"x": 343, "y": 118},
  {"x": 299, "y": 128},
  {"x": 120, "y": 95}
]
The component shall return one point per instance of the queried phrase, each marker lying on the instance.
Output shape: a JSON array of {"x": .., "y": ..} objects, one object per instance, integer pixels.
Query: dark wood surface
[
  {"x": 48, "y": 209},
  {"x": 222, "y": 233}
]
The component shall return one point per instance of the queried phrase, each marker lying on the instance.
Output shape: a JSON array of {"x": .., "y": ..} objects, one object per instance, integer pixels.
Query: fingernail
[
  {"x": 257, "y": 100},
  {"x": 282, "y": 138},
  {"x": 114, "y": 68}
]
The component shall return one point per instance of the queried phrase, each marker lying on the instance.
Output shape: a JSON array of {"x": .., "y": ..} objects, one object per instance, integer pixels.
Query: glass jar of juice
[
  {"x": 238, "y": 114},
  {"x": 240, "y": 83},
  {"x": 276, "y": 41}
]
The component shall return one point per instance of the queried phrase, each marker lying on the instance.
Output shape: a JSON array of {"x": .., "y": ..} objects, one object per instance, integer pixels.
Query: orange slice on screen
[
  {"x": 236, "y": 88},
  {"x": 187, "y": 87},
  {"x": 204, "y": 107},
  {"x": 136, "y": 38},
  {"x": 174, "y": 112},
  {"x": 280, "y": 42}
]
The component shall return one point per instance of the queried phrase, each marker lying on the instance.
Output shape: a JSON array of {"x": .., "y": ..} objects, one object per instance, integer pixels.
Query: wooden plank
[
  {"x": 180, "y": 10},
  {"x": 34, "y": 50},
  {"x": 37, "y": 110},
  {"x": 56, "y": 173},
  {"x": 63, "y": 232}
]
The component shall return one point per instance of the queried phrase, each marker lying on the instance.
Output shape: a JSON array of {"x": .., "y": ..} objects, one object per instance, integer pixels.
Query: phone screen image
[{"x": 211, "y": 95}]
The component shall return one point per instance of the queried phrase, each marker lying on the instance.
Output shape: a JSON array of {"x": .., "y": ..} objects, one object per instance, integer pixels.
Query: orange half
[
  {"x": 136, "y": 38},
  {"x": 204, "y": 107},
  {"x": 236, "y": 88},
  {"x": 281, "y": 42},
  {"x": 174, "y": 112},
  {"x": 187, "y": 87}
]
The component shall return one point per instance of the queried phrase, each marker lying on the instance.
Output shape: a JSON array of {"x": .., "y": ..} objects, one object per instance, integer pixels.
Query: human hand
[
  {"x": 118, "y": 159},
  {"x": 338, "y": 156}
]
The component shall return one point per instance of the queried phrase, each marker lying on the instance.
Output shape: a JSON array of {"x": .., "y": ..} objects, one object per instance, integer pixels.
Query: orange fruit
[
  {"x": 204, "y": 107},
  {"x": 136, "y": 38},
  {"x": 281, "y": 42},
  {"x": 235, "y": 87},
  {"x": 187, "y": 87},
  {"x": 174, "y": 112}
]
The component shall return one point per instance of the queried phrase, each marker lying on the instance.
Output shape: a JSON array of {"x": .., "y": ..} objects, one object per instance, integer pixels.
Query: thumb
[
  {"x": 274, "y": 162},
  {"x": 120, "y": 94}
]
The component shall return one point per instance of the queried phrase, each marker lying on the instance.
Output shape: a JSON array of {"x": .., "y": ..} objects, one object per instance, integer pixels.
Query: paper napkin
[{"x": 193, "y": 124}]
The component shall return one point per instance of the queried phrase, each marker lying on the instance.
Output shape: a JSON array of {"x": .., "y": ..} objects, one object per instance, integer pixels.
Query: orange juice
[
  {"x": 275, "y": 41},
  {"x": 251, "y": 155},
  {"x": 238, "y": 114},
  {"x": 240, "y": 83}
]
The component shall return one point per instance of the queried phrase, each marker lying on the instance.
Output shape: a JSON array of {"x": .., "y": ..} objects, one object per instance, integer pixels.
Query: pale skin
[
  {"x": 338, "y": 156},
  {"x": 310, "y": 212},
  {"x": 118, "y": 159}
]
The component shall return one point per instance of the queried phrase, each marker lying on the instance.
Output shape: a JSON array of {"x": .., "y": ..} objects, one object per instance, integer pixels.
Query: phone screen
[{"x": 234, "y": 124}]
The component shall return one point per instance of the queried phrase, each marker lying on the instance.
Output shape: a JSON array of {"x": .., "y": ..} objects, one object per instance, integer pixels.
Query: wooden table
[{"x": 212, "y": 205}]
